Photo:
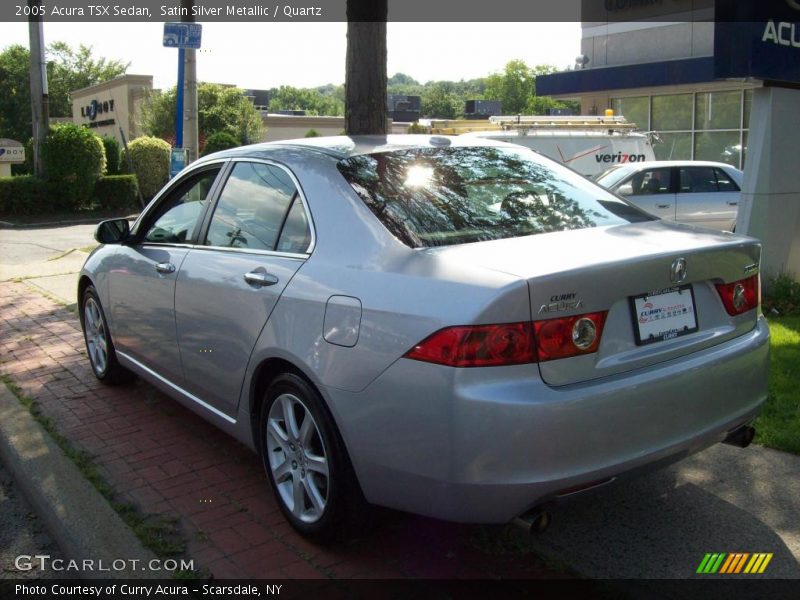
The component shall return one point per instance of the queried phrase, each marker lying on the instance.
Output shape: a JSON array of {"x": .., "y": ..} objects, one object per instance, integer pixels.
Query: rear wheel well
[{"x": 266, "y": 373}]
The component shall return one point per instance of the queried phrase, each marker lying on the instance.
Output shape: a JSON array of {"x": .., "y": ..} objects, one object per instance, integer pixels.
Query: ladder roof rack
[{"x": 533, "y": 122}]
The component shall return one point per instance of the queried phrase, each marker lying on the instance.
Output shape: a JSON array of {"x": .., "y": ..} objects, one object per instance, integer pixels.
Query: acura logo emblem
[{"x": 677, "y": 272}]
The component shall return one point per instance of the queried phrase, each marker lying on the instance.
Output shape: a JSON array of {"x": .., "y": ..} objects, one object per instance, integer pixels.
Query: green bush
[
  {"x": 116, "y": 192},
  {"x": 221, "y": 140},
  {"x": 113, "y": 155},
  {"x": 311, "y": 133},
  {"x": 782, "y": 296},
  {"x": 150, "y": 158},
  {"x": 417, "y": 128},
  {"x": 74, "y": 158},
  {"x": 24, "y": 195}
]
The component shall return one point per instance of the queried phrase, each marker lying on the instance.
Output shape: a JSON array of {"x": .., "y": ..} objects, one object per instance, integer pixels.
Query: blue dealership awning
[{"x": 668, "y": 72}]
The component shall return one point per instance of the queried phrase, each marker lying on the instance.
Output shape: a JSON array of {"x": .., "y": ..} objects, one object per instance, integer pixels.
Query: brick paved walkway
[{"x": 169, "y": 462}]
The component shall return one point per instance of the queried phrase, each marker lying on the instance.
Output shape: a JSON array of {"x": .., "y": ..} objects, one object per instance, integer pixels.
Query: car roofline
[{"x": 343, "y": 147}]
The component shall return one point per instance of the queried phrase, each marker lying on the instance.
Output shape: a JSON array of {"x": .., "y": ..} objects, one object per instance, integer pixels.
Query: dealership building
[
  {"x": 113, "y": 106},
  {"x": 717, "y": 80}
]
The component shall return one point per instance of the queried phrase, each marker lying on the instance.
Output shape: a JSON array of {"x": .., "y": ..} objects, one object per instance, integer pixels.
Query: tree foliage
[
  {"x": 220, "y": 108},
  {"x": 440, "y": 100},
  {"x": 68, "y": 70},
  {"x": 311, "y": 100},
  {"x": 221, "y": 140},
  {"x": 515, "y": 87}
]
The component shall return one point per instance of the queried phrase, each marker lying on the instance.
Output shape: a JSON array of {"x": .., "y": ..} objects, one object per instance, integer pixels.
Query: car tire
[
  {"x": 99, "y": 345},
  {"x": 306, "y": 462}
]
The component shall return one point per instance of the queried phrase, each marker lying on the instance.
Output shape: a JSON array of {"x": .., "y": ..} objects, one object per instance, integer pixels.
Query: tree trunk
[{"x": 365, "y": 77}]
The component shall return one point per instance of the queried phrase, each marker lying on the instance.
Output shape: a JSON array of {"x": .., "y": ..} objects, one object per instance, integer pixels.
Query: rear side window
[
  {"x": 651, "y": 181},
  {"x": 696, "y": 180},
  {"x": 259, "y": 209},
  {"x": 443, "y": 196}
]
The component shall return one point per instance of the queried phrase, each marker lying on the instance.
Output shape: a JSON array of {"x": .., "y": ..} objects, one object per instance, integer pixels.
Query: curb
[
  {"x": 78, "y": 518},
  {"x": 86, "y": 221}
]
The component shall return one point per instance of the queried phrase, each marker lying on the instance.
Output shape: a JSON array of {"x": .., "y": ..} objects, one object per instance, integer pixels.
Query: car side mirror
[
  {"x": 113, "y": 231},
  {"x": 625, "y": 190}
]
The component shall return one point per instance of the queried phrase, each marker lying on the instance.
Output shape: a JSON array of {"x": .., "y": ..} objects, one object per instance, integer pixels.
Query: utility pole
[
  {"x": 40, "y": 110},
  {"x": 190, "y": 124}
]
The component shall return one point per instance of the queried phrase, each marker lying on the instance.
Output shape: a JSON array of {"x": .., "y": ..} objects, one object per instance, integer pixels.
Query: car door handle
[
  {"x": 663, "y": 205},
  {"x": 165, "y": 268},
  {"x": 733, "y": 203},
  {"x": 260, "y": 278}
]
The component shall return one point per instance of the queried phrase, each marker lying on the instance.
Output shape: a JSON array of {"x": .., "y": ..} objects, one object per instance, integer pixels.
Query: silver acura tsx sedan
[{"x": 454, "y": 327}]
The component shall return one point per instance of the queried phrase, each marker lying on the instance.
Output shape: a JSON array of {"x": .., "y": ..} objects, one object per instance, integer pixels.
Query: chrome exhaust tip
[{"x": 534, "y": 521}]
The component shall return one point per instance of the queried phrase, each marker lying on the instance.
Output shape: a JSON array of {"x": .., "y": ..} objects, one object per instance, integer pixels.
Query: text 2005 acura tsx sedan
[{"x": 461, "y": 329}]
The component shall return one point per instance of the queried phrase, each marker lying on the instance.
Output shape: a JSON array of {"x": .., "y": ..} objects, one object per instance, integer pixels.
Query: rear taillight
[
  {"x": 569, "y": 336},
  {"x": 740, "y": 296},
  {"x": 511, "y": 343},
  {"x": 478, "y": 346}
]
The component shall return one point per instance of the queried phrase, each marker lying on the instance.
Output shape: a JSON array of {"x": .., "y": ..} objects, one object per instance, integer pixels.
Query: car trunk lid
[{"x": 628, "y": 271}]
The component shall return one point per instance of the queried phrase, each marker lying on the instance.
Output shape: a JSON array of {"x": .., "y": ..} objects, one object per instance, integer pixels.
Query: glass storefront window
[
  {"x": 720, "y": 146},
  {"x": 744, "y": 148},
  {"x": 674, "y": 146},
  {"x": 672, "y": 112},
  {"x": 635, "y": 110},
  {"x": 718, "y": 110}
]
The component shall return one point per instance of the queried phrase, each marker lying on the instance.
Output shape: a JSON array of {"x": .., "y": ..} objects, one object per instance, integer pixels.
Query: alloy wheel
[
  {"x": 95, "y": 332},
  {"x": 297, "y": 458}
]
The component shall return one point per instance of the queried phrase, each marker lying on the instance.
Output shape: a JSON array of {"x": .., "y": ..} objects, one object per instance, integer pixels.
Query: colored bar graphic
[
  {"x": 736, "y": 564},
  {"x": 733, "y": 563},
  {"x": 765, "y": 563},
  {"x": 727, "y": 564},
  {"x": 740, "y": 564}
]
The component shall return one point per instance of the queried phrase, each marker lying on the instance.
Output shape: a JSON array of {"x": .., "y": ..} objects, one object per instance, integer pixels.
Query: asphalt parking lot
[{"x": 168, "y": 462}]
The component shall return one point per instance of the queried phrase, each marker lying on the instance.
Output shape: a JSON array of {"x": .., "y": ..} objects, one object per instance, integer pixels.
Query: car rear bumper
[{"x": 485, "y": 445}]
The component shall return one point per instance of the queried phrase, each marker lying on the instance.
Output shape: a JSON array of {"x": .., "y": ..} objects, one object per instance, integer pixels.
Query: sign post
[{"x": 181, "y": 36}]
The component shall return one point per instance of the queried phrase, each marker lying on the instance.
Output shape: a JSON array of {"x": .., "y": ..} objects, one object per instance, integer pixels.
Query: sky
[{"x": 266, "y": 55}]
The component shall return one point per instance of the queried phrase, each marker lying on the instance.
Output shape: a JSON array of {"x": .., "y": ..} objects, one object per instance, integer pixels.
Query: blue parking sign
[{"x": 183, "y": 35}]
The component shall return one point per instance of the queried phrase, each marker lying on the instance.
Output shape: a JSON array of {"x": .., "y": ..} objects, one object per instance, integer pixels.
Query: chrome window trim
[
  {"x": 300, "y": 194},
  {"x": 225, "y": 249}
]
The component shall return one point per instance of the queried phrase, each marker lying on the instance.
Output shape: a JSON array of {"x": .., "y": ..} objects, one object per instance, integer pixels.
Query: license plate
[{"x": 664, "y": 314}]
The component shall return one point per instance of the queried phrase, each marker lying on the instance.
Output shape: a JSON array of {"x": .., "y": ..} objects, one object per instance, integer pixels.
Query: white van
[{"x": 589, "y": 145}]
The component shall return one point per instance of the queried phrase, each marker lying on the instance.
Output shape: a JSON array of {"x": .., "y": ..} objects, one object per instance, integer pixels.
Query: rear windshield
[{"x": 442, "y": 196}]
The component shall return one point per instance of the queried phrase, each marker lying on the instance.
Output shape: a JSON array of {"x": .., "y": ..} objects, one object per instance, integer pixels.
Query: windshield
[
  {"x": 610, "y": 177},
  {"x": 443, "y": 196}
]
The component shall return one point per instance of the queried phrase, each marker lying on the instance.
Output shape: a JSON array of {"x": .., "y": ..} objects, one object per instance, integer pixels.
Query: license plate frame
[{"x": 664, "y": 314}]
